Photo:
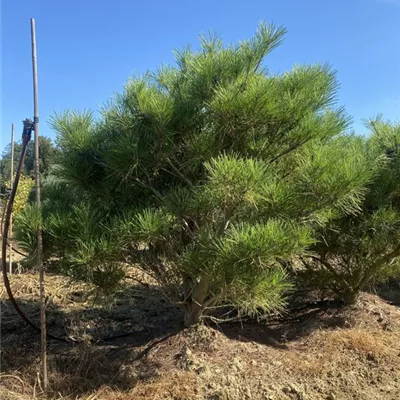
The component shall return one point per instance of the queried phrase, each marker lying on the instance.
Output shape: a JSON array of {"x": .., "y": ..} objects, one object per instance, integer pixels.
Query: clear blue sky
[{"x": 87, "y": 49}]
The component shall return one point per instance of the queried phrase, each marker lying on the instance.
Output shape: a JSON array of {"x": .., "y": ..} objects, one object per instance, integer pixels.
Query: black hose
[
  {"x": 9, "y": 243},
  {"x": 26, "y": 137}
]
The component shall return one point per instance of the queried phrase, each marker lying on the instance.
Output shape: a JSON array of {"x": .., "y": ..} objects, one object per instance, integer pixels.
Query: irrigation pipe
[{"x": 26, "y": 137}]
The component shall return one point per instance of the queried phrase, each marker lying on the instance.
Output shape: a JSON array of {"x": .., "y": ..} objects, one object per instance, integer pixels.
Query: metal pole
[
  {"x": 11, "y": 185},
  {"x": 39, "y": 232}
]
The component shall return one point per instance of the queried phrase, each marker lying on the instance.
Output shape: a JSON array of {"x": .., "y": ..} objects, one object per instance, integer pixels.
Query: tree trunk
[
  {"x": 194, "y": 306},
  {"x": 193, "y": 314},
  {"x": 350, "y": 296}
]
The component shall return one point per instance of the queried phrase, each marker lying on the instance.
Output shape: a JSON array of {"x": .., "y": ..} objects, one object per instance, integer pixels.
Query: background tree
[
  {"x": 210, "y": 175},
  {"x": 5, "y": 164},
  {"x": 47, "y": 158}
]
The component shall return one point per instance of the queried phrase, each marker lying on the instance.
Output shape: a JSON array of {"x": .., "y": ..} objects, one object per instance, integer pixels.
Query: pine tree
[
  {"x": 355, "y": 251},
  {"x": 209, "y": 175}
]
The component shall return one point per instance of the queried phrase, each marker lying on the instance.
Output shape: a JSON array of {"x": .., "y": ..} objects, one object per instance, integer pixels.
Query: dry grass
[
  {"x": 177, "y": 385},
  {"x": 358, "y": 341}
]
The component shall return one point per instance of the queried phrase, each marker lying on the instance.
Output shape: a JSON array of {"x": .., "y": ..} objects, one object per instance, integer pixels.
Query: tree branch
[
  {"x": 150, "y": 187},
  {"x": 179, "y": 173}
]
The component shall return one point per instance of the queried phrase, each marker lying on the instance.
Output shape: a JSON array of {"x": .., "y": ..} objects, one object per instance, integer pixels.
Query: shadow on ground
[
  {"x": 292, "y": 326},
  {"x": 100, "y": 342},
  {"x": 123, "y": 333},
  {"x": 389, "y": 292}
]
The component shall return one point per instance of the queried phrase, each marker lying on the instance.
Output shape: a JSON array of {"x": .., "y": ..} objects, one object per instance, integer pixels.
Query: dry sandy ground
[{"x": 315, "y": 353}]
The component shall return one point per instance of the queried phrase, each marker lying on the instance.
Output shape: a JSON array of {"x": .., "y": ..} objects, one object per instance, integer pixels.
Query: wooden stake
[
  {"x": 11, "y": 185},
  {"x": 39, "y": 232}
]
